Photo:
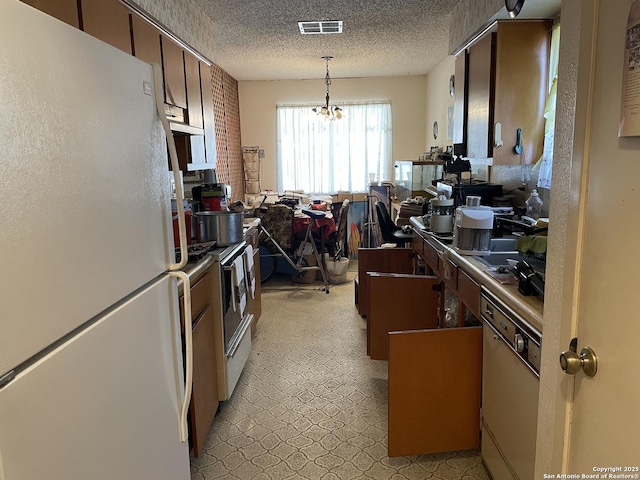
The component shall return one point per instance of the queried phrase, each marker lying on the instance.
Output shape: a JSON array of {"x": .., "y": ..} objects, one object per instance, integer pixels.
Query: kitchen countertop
[{"x": 529, "y": 307}]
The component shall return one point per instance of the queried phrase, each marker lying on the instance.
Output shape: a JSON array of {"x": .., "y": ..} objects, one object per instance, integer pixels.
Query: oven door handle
[{"x": 238, "y": 338}]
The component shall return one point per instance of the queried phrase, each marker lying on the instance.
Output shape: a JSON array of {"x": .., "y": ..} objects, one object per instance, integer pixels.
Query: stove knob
[{"x": 518, "y": 343}]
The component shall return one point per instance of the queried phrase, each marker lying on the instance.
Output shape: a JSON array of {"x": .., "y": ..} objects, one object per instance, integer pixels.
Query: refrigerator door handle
[
  {"x": 188, "y": 352},
  {"x": 175, "y": 167}
]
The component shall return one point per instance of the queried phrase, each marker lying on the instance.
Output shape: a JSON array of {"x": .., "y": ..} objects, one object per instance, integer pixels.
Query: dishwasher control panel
[{"x": 524, "y": 340}]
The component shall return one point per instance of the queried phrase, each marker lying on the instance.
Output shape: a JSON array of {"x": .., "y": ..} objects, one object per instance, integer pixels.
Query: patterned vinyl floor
[{"x": 310, "y": 404}]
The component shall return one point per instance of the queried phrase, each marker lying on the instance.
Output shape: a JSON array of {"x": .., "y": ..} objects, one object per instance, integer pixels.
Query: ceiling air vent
[{"x": 321, "y": 27}]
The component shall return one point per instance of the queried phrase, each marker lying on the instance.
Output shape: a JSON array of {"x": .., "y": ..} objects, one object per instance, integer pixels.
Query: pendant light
[{"x": 329, "y": 112}]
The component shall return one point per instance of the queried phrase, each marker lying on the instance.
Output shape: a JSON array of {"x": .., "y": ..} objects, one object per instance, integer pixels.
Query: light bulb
[{"x": 337, "y": 111}]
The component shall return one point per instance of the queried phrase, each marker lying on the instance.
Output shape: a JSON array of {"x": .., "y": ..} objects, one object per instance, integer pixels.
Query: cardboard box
[
  {"x": 342, "y": 196},
  {"x": 360, "y": 197}
]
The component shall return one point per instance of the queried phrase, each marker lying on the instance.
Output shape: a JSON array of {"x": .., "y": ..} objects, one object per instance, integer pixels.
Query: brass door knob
[{"x": 571, "y": 363}]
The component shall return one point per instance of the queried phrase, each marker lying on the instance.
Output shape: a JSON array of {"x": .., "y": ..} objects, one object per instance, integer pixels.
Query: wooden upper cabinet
[
  {"x": 107, "y": 20},
  {"x": 521, "y": 86},
  {"x": 175, "y": 91},
  {"x": 460, "y": 99},
  {"x": 208, "y": 116},
  {"x": 146, "y": 41},
  {"x": 194, "y": 96},
  {"x": 65, "y": 10},
  {"x": 507, "y": 85},
  {"x": 479, "y": 110}
]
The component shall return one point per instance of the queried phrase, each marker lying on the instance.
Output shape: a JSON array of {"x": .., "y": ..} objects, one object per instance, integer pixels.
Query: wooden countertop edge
[{"x": 529, "y": 307}]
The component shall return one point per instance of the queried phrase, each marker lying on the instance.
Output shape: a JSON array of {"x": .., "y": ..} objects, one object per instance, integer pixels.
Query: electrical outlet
[{"x": 261, "y": 153}]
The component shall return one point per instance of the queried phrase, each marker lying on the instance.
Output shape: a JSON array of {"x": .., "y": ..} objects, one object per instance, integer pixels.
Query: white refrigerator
[{"x": 91, "y": 356}]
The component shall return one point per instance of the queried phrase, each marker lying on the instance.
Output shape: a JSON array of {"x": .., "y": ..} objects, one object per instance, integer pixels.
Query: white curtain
[
  {"x": 545, "y": 164},
  {"x": 322, "y": 156}
]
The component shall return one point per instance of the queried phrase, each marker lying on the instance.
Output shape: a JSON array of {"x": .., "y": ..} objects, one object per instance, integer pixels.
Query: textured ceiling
[{"x": 260, "y": 39}]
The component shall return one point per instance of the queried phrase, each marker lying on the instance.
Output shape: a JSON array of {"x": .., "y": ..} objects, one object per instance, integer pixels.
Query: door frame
[{"x": 568, "y": 203}]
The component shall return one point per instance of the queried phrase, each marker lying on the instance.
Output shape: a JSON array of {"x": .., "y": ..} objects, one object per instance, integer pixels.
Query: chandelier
[{"x": 329, "y": 112}]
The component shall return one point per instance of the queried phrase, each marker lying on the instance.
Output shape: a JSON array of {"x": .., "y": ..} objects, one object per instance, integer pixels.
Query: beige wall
[
  {"x": 438, "y": 101},
  {"x": 258, "y": 102}
]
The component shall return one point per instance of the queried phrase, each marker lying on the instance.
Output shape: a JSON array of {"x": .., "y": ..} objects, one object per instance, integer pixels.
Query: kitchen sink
[
  {"x": 501, "y": 250},
  {"x": 504, "y": 253},
  {"x": 503, "y": 244},
  {"x": 497, "y": 258}
]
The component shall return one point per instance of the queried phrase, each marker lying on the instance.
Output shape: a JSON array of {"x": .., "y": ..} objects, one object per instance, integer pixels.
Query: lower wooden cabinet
[
  {"x": 468, "y": 292},
  {"x": 204, "y": 394},
  {"x": 204, "y": 397},
  {"x": 435, "y": 379}
]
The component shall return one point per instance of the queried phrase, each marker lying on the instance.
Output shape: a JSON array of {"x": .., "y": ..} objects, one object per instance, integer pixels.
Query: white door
[
  {"x": 104, "y": 405},
  {"x": 587, "y": 424}
]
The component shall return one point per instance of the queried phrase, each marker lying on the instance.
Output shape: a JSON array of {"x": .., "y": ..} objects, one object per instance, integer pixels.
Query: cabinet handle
[
  {"x": 489, "y": 311},
  {"x": 497, "y": 135},
  {"x": 188, "y": 351}
]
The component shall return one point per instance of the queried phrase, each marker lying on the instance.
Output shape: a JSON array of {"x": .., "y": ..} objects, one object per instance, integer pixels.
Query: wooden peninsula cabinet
[{"x": 507, "y": 86}]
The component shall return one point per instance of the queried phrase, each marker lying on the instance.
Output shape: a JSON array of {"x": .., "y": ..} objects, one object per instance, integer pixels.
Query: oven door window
[{"x": 231, "y": 318}]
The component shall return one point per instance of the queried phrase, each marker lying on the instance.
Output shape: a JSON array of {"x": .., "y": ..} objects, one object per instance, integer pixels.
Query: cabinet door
[
  {"x": 65, "y": 10},
  {"x": 469, "y": 293},
  {"x": 385, "y": 260},
  {"x": 254, "y": 304},
  {"x": 208, "y": 117},
  {"x": 521, "y": 79},
  {"x": 175, "y": 92},
  {"x": 399, "y": 302},
  {"x": 460, "y": 100},
  {"x": 107, "y": 20},
  {"x": 194, "y": 97},
  {"x": 146, "y": 41},
  {"x": 204, "y": 398},
  {"x": 434, "y": 390},
  {"x": 480, "y": 93},
  {"x": 417, "y": 242}
]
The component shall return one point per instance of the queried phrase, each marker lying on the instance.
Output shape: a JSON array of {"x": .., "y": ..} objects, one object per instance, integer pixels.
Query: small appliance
[
  {"x": 472, "y": 228},
  {"x": 442, "y": 213},
  {"x": 214, "y": 196}
]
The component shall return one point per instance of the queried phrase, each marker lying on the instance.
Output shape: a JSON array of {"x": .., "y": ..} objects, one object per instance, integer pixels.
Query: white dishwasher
[{"x": 510, "y": 384}]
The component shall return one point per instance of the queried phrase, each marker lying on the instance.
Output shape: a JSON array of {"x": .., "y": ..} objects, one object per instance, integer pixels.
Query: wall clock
[
  {"x": 513, "y": 7},
  {"x": 452, "y": 85},
  {"x": 435, "y": 130}
]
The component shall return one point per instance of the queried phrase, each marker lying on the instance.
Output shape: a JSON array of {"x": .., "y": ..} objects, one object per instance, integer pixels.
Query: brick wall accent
[{"x": 228, "y": 143}]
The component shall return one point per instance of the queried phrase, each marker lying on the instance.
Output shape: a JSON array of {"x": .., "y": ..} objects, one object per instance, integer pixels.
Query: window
[
  {"x": 320, "y": 156},
  {"x": 545, "y": 164}
]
